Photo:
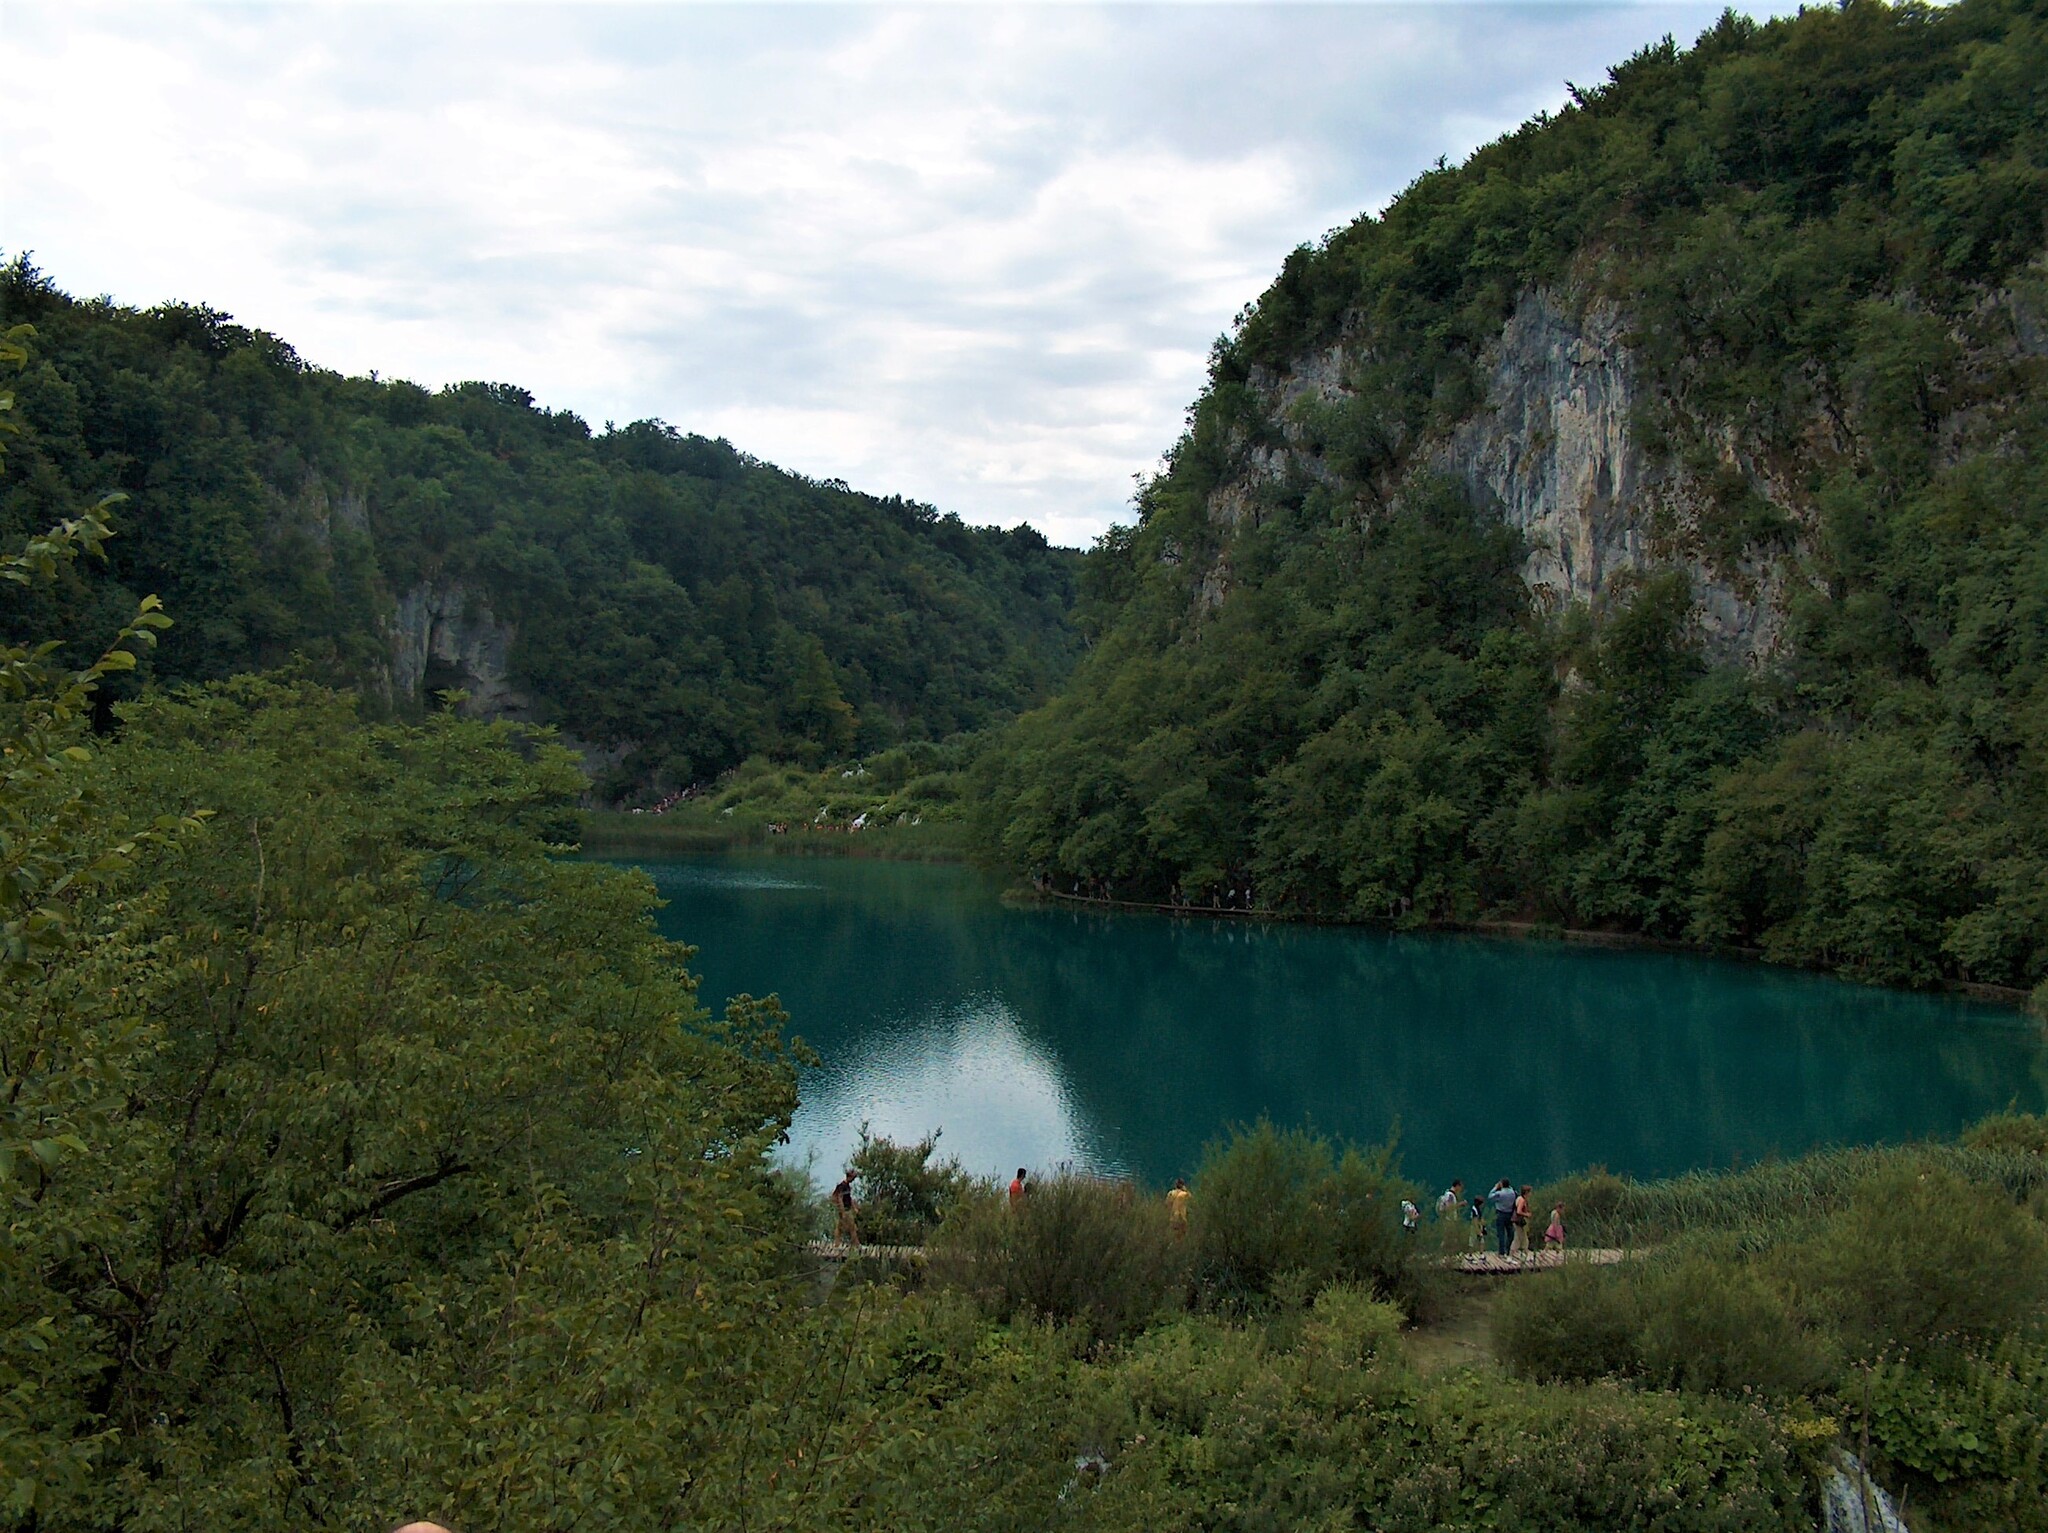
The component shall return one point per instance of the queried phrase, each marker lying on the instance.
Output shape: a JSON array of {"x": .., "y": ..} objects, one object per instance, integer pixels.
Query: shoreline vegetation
[
  {"x": 608, "y": 833},
  {"x": 1885, "y": 1301},
  {"x": 623, "y": 833},
  {"x": 1522, "y": 931}
]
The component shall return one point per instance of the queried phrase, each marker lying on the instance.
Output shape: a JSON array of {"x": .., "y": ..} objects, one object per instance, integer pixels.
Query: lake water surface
[{"x": 1122, "y": 1043}]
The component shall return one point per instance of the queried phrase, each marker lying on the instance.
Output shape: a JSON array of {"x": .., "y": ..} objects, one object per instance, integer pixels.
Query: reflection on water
[
  {"x": 969, "y": 1071},
  {"x": 1124, "y": 1042}
]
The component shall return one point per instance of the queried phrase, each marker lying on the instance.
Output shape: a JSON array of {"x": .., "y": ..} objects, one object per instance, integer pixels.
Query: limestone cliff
[
  {"x": 445, "y": 636},
  {"x": 435, "y": 635},
  {"x": 1555, "y": 449}
]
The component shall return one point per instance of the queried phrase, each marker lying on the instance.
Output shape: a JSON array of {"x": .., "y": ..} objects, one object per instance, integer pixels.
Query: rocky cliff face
[
  {"x": 1555, "y": 450},
  {"x": 436, "y": 635},
  {"x": 444, "y": 636}
]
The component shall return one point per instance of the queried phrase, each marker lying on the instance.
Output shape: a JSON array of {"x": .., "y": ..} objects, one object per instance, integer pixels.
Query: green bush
[
  {"x": 1920, "y": 1254},
  {"x": 904, "y": 1194},
  {"x": 1704, "y": 1320},
  {"x": 1270, "y": 1202},
  {"x": 1969, "y": 1429},
  {"x": 2010, "y": 1133},
  {"x": 1077, "y": 1249},
  {"x": 1577, "y": 1324},
  {"x": 1597, "y": 1457},
  {"x": 1717, "y": 1325},
  {"x": 1349, "y": 1326}
]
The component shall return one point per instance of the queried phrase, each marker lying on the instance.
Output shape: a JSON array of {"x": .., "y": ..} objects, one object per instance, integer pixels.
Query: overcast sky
[{"x": 973, "y": 255}]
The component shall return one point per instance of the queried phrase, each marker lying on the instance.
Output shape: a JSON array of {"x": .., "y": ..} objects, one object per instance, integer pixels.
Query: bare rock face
[
  {"x": 1554, "y": 449},
  {"x": 446, "y": 636}
]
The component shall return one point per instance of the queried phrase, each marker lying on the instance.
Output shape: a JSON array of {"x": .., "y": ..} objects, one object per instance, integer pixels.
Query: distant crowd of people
[
  {"x": 1506, "y": 1207},
  {"x": 845, "y": 1207}
]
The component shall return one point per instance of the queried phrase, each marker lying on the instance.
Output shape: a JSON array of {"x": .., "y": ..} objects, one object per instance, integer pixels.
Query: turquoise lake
[{"x": 1122, "y": 1043}]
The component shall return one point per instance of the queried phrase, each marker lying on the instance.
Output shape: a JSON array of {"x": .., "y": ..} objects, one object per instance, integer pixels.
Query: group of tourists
[
  {"x": 1507, "y": 1206},
  {"x": 1509, "y": 1209},
  {"x": 847, "y": 1229}
]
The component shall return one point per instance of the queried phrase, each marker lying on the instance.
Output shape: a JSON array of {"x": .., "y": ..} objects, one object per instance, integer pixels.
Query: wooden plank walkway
[
  {"x": 839, "y": 1251},
  {"x": 1473, "y": 1263},
  {"x": 1490, "y": 1264}
]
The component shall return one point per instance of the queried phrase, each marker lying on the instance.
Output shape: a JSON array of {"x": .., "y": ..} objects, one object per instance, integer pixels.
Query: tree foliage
[
  {"x": 1318, "y": 676},
  {"x": 670, "y": 598}
]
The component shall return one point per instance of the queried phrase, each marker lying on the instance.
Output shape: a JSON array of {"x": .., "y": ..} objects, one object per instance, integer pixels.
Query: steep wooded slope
[
  {"x": 1644, "y": 524},
  {"x": 669, "y": 601}
]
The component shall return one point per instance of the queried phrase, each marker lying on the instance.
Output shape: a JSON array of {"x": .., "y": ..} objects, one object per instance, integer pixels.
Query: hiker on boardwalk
[
  {"x": 843, "y": 1206},
  {"x": 1502, "y": 1201},
  {"x": 1411, "y": 1217},
  {"x": 1177, "y": 1200},
  {"x": 1553, "y": 1238},
  {"x": 1520, "y": 1245},
  {"x": 1018, "y": 1189},
  {"x": 1450, "y": 1206}
]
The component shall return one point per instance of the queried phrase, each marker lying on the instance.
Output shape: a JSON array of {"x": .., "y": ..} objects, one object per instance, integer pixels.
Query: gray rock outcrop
[
  {"x": 1555, "y": 449},
  {"x": 446, "y": 637}
]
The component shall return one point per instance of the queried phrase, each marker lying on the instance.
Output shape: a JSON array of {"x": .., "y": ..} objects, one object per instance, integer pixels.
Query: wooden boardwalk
[
  {"x": 1472, "y": 1263},
  {"x": 839, "y": 1251},
  {"x": 1489, "y": 1264}
]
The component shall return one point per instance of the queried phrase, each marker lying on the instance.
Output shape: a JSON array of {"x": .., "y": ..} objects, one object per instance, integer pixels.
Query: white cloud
[{"x": 972, "y": 255}]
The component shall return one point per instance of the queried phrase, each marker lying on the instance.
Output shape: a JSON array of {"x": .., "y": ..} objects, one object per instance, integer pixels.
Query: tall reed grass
[{"x": 1607, "y": 1210}]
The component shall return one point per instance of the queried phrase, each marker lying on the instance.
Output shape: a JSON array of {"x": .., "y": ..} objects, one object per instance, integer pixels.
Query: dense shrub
[
  {"x": 2010, "y": 1133},
  {"x": 1598, "y": 1458},
  {"x": 1972, "y": 1415},
  {"x": 1718, "y": 1325},
  {"x": 1271, "y": 1203},
  {"x": 904, "y": 1194},
  {"x": 1702, "y": 1320},
  {"x": 1578, "y": 1324},
  {"x": 1920, "y": 1254},
  {"x": 1077, "y": 1249},
  {"x": 1226, "y": 1436}
]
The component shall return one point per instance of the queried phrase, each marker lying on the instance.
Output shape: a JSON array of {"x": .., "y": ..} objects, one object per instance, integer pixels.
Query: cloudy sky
[{"x": 970, "y": 254}]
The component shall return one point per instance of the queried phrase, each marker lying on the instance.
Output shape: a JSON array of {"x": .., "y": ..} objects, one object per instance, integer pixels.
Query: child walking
[{"x": 1553, "y": 1238}]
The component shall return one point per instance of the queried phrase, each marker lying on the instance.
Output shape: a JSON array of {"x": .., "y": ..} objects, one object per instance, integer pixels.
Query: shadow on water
[{"x": 1123, "y": 1042}]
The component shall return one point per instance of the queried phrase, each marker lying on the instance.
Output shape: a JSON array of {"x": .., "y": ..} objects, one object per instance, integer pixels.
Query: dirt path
[{"x": 1461, "y": 1336}]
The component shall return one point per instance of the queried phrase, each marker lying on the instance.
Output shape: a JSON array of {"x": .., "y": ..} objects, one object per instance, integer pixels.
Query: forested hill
[
  {"x": 1642, "y": 525},
  {"x": 663, "y": 598}
]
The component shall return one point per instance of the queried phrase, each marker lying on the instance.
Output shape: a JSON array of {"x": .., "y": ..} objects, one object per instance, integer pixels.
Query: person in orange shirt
[{"x": 1017, "y": 1187}]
